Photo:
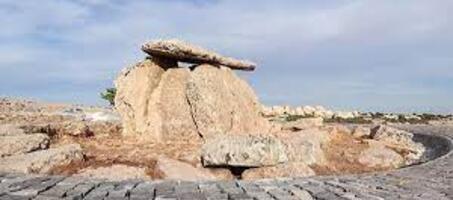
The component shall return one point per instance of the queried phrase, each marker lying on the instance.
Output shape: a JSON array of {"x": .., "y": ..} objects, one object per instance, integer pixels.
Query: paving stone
[
  {"x": 33, "y": 188},
  {"x": 239, "y": 196},
  {"x": 121, "y": 190},
  {"x": 60, "y": 189},
  {"x": 142, "y": 191},
  {"x": 100, "y": 191}
]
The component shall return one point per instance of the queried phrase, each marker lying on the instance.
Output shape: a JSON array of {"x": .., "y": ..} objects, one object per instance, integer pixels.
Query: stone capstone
[
  {"x": 183, "y": 51},
  {"x": 243, "y": 151}
]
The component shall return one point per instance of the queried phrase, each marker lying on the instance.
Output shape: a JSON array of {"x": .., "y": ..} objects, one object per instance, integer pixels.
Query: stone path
[{"x": 431, "y": 180}]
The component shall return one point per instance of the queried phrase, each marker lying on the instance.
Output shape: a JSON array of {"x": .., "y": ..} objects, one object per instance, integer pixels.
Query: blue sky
[{"x": 351, "y": 54}]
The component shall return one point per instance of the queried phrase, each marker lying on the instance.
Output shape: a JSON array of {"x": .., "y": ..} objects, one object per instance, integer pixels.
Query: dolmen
[{"x": 161, "y": 100}]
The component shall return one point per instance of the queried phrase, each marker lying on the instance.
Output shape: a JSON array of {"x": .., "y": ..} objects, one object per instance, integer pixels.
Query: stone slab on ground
[
  {"x": 20, "y": 144},
  {"x": 243, "y": 151},
  {"x": 41, "y": 161}
]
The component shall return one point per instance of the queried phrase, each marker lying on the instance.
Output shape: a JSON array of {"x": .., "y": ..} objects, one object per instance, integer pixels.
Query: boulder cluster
[
  {"x": 162, "y": 101},
  {"x": 208, "y": 104}
]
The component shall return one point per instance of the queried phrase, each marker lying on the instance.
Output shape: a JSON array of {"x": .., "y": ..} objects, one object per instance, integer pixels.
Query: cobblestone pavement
[{"x": 430, "y": 180}]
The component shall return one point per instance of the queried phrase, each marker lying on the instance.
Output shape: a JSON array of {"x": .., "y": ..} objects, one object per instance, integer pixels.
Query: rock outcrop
[
  {"x": 164, "y": 102},
  {"x": 378, "y": 155},
  {"x": 399, "y": 140},
  {"x": 243, "y": 151}
]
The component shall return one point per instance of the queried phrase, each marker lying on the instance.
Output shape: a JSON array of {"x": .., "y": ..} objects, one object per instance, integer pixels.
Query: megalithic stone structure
[{"x": 164, "y": 102}]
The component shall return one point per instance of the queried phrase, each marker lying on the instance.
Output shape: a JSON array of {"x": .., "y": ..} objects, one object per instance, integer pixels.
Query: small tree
[{"x": 109, "y": 95}]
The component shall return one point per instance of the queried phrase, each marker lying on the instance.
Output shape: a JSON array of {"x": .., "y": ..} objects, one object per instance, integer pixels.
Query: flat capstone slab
[
  {"x": 432, "y": 180},
  {"x": 182, "y": 51}
]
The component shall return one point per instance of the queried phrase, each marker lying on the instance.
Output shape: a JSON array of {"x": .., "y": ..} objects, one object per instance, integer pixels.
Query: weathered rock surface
[
  {"x": 10, "y": 129},
  {"x": 243, "y": 151},
  {"x": 305, "y": 146},
  {"x": 171, "y": 169},
  {"x": 167, "y": 104},
  {"x": 378, "y": 155},
  {"x": 135, "y": 86},
  {"x": 399, "y": 140},
  {"x": 293, "y": 169},
  {"x": 304, "y": 123},
  {"x": 361, "y": 132},
  {"x": 153, "y": 103},
  {"x": 182, "y": 51},
  {"x": 115, "y": 173},
  {"x": 223, "y": 103},
  {"x": 19, "y": 144},
  {"x": 41, "y": 161}
]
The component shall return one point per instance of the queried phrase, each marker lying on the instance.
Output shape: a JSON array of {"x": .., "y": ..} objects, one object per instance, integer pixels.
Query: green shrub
[
  {"x": 109, "y": 95},
  {"x": 355, "y": 120},
  {"x": 290, "y": 118}
]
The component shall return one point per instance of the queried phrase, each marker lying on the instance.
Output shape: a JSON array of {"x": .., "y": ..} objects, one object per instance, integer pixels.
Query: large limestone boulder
[
  {"x": 306, "y": 146},
  {"x": 41, "y": 161},
  {"x": 134, "y": 87},
  {"x": 380, "y": 156},
  {"x": 20, "y": 144},
  {"x": 223, "y": 103},
  {"x": 152, "y": 101},
  {"x": 183, "y": 51},
  {"x": 243, "y": 151},
  {"x": 399, "y": 140},
  {"x": 293, "y": 169},
  {"x": 167, "y": 103}
]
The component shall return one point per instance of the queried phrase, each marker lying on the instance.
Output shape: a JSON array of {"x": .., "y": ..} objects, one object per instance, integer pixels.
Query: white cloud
[{"x": 351, "y": 41}]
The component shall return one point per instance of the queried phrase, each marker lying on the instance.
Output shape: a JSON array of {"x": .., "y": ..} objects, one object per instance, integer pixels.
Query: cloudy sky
[{"x": 345, "y": 54}]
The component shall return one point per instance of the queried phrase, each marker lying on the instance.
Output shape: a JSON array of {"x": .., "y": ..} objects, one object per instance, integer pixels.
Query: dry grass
[
  {"x": 342, "y": 155},
  {"x": 107, "y": 150}
]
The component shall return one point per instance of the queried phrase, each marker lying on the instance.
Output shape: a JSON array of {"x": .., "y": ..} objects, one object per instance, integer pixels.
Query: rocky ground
[
  {"x": 197, "y": 123},
  {"x": 59, "y": 139}
]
